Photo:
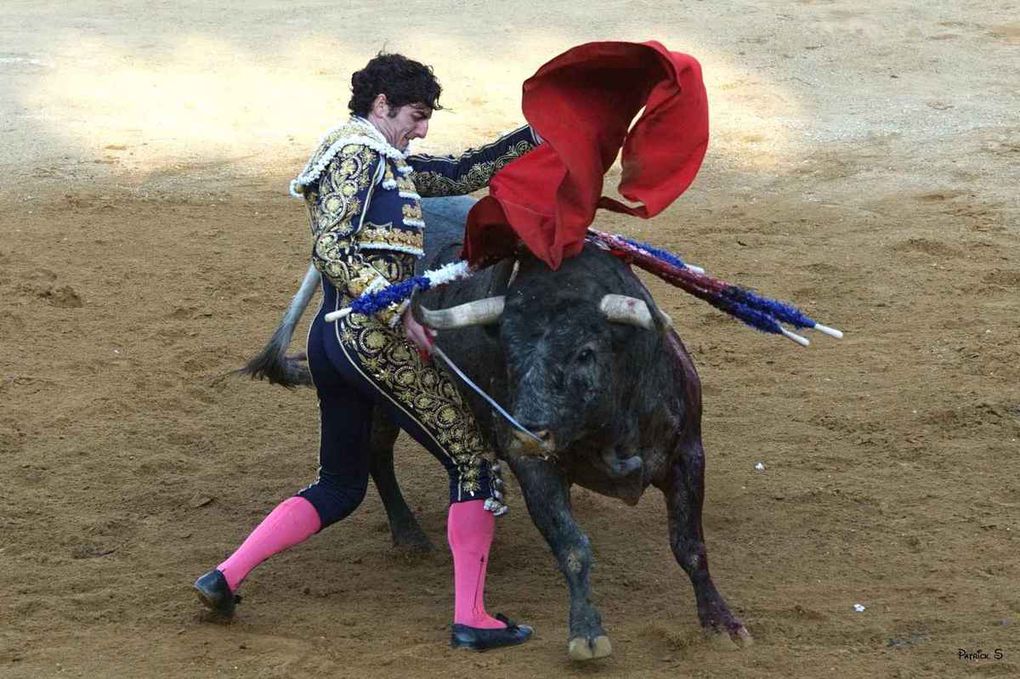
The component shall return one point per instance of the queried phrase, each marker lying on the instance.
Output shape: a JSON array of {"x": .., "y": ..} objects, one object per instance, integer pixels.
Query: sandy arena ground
[{"x": 864, "y": 163}]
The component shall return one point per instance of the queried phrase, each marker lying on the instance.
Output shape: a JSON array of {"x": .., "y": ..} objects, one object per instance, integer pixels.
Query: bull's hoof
[
  {"x": 410, "y": 539},
  {"x": 411, "y": 556},
  {"x": 730, "y": 639},
  {"x": 413, "y": 547},
  {"x": 413, "y": 551},
  {"x": 583, "y": 648}
]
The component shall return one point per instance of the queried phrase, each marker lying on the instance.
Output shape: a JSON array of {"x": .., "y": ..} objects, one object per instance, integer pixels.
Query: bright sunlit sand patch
[
  {"x": 751, "y": 117},
  {"x": 204, "y": 100},
  {"x": 196, "y": 99}
]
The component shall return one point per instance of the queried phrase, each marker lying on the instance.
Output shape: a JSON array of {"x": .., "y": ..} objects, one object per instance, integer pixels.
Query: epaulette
[{"x": 355, "y": 131}]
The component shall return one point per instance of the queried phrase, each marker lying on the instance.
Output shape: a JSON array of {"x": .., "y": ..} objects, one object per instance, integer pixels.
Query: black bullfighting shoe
[
  {"x": 213, "y": 591},
  {"x": 478, "y": 639}
]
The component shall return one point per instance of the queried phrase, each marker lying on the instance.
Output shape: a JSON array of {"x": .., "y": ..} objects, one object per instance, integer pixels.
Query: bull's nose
[{"x": 545, "y": 439}]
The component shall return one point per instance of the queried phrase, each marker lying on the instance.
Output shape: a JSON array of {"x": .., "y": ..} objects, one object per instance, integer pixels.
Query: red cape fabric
[{"x": 582, "y": 103}]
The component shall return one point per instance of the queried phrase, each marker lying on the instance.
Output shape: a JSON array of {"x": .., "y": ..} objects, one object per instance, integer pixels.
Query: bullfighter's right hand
[{"x": 420, "y": 335}]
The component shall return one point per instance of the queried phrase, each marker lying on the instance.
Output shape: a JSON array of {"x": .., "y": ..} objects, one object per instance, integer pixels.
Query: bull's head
[{"x": 563, "y": 356}]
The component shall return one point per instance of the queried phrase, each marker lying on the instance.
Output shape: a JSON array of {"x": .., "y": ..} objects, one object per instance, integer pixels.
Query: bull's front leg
[
  {"x": 685, "y": 492},
  {"x": 547, "y": 495}
]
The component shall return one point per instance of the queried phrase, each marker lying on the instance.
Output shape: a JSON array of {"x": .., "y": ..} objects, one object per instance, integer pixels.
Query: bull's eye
[{"x": 586, "y": 356}]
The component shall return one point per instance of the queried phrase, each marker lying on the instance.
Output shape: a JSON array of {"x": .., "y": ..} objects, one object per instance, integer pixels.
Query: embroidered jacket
[{"x": 364, "y": 201}]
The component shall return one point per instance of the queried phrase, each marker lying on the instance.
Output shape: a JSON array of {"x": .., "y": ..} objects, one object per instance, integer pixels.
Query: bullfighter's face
[{"x": 399, "y": 125}]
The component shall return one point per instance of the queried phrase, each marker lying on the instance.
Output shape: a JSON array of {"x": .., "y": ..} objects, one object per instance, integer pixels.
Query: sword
[
  {"x": 478, "y": 390},
  {"x": 334, "y": 316}
]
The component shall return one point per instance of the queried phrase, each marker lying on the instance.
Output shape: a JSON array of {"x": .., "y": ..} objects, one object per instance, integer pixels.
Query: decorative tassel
[
  {"x": 761, "y": 313},
  {"x": 373, "y": 302},
  {"x": 664, "y": 255}
]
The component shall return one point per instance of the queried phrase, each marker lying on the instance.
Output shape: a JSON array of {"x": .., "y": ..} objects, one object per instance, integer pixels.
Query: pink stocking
[
  {"x": 294, "y": 520},
  {"x": 469, "y": 529}
]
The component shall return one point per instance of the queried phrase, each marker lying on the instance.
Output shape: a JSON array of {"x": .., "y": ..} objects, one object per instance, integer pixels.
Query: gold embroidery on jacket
[
  {"x": 332, "y": 257},
  {"x": 382, "y": 237},
  {"x": 422, "y": 390},
  {"x": 477, "y": 176},
  {"x": 335, "y": 203},
  {"x": 406, "y": 185},
  {"x": 394, "y": 266},
  {"x": 412, "y": 210},
  {"x": 365, "y": 278},
  {"x": 335, "y": 210}
]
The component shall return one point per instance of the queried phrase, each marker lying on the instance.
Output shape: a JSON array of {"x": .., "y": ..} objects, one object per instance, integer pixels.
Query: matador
[{"x": 363, "y": 191}]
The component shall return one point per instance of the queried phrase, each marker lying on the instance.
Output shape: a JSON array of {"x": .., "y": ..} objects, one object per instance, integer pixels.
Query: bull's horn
[
  {"x": 624, "y": 309},
  {"x": 480, "y": 312}
]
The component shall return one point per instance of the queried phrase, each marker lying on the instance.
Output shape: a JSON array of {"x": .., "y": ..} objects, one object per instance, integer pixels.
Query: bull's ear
[
  {"x": 503, "y": 273},
  {"x": 624, "y": 335}
]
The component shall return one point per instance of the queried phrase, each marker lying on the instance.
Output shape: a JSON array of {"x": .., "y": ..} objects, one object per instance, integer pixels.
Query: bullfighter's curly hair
[{"x": 403, "y": 81}]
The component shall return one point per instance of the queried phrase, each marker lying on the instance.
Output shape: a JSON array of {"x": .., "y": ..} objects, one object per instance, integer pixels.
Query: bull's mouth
[{"x": 542, "y": 444}]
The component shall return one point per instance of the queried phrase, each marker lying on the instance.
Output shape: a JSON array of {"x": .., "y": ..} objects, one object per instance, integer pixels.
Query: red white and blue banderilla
[{"x": 761, "y": 313}]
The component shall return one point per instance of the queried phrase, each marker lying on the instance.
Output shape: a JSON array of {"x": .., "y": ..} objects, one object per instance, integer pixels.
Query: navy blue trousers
[{"x": 360, "y": 367}]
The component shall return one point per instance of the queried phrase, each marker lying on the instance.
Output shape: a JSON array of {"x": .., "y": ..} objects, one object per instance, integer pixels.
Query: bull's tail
[{"x": 273, "y": 363}]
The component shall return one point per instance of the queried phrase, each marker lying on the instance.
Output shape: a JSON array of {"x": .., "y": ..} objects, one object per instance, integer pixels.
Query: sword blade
[{"x": 478, "y": 390}]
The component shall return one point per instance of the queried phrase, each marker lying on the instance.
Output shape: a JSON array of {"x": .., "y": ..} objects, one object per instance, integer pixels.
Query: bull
[{"x": 584, "y": 359}]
